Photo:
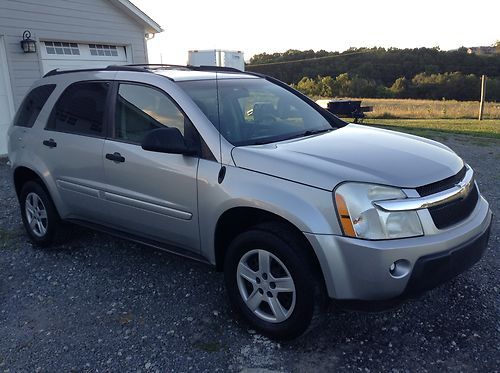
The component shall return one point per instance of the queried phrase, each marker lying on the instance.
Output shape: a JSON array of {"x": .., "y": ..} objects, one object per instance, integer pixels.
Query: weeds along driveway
[{"x": 98, "y": 303}]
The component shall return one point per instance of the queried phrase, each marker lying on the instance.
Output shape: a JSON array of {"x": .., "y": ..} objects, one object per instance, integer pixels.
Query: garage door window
[
  {"x": 57, "y": 47},
  {"x": 103, "y": 50},
  {"x": 80, "y": 109},
  {"x": 32, "y": 105}
]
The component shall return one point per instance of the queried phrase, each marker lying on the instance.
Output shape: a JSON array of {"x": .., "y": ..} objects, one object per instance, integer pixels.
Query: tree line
[
  {"x": 424, "y": 73},
  {"x": 449, "y": 86}
]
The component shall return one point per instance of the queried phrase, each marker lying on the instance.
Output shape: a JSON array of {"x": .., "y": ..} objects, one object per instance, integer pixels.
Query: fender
[
  {"x": 28, "y": 159},
  {"x": 309, "y": 209}
]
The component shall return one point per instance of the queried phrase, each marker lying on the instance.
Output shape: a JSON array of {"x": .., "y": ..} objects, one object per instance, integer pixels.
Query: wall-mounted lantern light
[{"x": 27, "y": 44}]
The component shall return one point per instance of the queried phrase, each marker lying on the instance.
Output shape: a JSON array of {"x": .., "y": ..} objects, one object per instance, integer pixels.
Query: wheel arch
[
  {"x": 238, "y": 219},
  {"x": 24, "y": 174}
]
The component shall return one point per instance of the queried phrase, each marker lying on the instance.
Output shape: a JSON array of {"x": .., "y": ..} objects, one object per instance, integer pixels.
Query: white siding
[
  {"x": 85, "y": 21},
  {"x": 6, "y": 104}
]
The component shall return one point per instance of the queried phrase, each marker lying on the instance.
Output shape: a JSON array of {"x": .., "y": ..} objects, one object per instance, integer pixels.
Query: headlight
[{"x": 360, "y": 218}]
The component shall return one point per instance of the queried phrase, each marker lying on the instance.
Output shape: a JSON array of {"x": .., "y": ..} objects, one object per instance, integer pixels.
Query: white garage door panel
[
  {"x": 66, "y": 55},
  {"x": 3, "y": 139},
  {"x": 49, "y": 65},
  {"x": 6, "y": 103}
]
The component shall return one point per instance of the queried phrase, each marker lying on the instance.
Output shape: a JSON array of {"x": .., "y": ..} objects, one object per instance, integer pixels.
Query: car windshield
[{"x": 255, "y": 111}]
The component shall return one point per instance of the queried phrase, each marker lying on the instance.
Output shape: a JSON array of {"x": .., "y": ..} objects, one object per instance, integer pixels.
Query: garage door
[
  {"x": 6, "y": 103},
  {"x": 67, "y": 55}
]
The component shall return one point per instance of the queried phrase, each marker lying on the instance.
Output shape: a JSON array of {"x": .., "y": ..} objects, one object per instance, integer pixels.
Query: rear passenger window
[
  {"x": 32, "y": 105},
  {"x": 80, "y": 109},
  {"x": 140, "y": 109}
]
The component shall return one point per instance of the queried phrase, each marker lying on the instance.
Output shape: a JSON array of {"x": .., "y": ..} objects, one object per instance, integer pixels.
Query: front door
[{"x": 147, "y": 193}]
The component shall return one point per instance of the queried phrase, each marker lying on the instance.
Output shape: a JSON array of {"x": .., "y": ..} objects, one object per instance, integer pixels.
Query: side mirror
[{"x": 167, "y": 140}]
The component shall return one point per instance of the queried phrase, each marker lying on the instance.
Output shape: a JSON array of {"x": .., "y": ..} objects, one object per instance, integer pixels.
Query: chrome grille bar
[{"x": 460, "y": 190}]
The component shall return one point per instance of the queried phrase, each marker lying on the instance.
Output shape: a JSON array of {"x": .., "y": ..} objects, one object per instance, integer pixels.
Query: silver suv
[{"x": 241, "y": 171}]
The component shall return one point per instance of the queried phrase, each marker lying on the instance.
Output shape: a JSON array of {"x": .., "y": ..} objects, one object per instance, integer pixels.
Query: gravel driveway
[{"x": 102, "y": 304}]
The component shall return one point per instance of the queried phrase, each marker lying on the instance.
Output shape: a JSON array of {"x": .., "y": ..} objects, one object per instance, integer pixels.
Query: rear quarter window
[{"x": 32, "y": 105}]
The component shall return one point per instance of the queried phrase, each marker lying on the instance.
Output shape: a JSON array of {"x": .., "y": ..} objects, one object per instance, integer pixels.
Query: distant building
[
  {"x": 217, "y": 57},
  {"x": 482, "y": 50}
]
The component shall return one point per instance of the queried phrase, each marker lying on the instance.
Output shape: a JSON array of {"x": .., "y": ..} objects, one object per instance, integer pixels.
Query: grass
[
  {"x": 427, "y": 117},
  {"x": 427, "y": 127},
  {"x": 429, "y": 109}
]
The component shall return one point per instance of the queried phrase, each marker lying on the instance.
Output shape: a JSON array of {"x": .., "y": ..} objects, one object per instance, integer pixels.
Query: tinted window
[
  {"x": 140, "y": 109},
  {"x": 32, "y": 105},
  {"x": 255, "y": 111},
  {"x": 80, "y": 109}
]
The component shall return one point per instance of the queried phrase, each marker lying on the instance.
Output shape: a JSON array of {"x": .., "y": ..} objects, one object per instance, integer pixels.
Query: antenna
[{"x": 222, "y": 171}]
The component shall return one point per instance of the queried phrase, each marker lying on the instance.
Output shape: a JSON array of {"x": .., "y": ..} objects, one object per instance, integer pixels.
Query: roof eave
[{"x": 150, "y": 26}]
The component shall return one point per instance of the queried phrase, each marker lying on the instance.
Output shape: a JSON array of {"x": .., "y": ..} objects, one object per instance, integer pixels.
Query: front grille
[
  {"x": 441, "y": 185},
  {"x": 455, "y": 211}
]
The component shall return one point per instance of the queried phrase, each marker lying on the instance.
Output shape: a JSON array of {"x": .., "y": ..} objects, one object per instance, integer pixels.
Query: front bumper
[
  {"x": 432, "y": 270},
  {"x": 359, "y": 269}
]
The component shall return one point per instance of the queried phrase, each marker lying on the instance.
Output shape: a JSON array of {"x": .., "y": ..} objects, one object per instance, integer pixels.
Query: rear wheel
[
  {"x": 38, "y": 213},
  {"x": 270, "y": 280}
]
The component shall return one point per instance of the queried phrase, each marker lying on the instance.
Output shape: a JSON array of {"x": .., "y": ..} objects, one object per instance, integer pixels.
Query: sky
[{"x": 256, "y": 26}]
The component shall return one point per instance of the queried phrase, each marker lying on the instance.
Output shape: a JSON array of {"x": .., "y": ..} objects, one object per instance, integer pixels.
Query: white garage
[
  {"x": 6, "y": 102},
  {"x": 67, "y": 34},
  {"x": 69, "y": 55}
]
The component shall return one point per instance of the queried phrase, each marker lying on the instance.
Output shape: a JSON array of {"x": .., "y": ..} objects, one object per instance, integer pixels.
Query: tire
[
  {"x": 39, "y": 215},
  {"x": 277, "y": 307}
]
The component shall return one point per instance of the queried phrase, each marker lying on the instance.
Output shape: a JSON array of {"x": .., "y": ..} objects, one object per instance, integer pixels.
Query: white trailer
[{"x": 217, "y": 57}]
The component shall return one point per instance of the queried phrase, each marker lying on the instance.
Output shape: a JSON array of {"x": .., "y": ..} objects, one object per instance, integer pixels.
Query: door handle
[
  {"x": 115, "y": 157},
  {"x": 50, "y": 143}
]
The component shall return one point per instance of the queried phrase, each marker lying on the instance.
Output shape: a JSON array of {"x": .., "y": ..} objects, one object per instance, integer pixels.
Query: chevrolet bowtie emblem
[{"x": 465, "y": 188}]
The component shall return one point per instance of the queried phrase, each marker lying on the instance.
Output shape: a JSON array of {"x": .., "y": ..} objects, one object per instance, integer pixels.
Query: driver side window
[{"x": 140, "y": 109}]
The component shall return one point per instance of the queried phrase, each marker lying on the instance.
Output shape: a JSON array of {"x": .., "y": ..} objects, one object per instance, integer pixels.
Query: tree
[
  {"x": 378, "y": 66},
  {"x": 327, "y": 86},
  {"x": 307, "y": 86},
  {"x": 400, "y": 87}
]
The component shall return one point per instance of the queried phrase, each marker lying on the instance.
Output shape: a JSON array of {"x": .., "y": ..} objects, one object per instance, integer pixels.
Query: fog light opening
[{"x": 400, "y": 268}]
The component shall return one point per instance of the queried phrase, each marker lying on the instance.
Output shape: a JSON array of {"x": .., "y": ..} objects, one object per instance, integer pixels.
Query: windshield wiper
[
  {"x": 315, "y": 132},
  {"x": 269, "y": 140},
  {"x": 310, "y": 132}
]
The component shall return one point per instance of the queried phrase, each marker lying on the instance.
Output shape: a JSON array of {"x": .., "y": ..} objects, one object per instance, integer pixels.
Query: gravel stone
[{"x": 98, "y": 303}]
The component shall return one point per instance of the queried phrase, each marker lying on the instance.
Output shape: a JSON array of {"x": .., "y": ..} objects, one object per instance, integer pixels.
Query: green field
[
  {"x": 429, "y": 109},
  {"x": 426, "y": 127}
]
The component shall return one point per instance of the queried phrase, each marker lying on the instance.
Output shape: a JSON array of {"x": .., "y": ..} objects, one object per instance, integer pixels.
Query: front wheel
[{"x": 270, "y": 281}]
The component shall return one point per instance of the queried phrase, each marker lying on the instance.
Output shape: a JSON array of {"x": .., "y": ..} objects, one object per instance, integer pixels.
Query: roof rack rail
[
  {"x": 108, "y": 68},
  {"x": 146, "y": 67},
  {"x": 157, "y": 65},
  {"x": 187, "y": 67},
  {"x": 215, "y": 68}
]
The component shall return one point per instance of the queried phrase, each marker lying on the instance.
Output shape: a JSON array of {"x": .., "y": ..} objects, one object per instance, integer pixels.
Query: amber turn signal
[{"x": 345, "y": 219}]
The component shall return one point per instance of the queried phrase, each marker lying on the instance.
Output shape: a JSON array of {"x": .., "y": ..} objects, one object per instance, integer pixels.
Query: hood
[{"x": 353, "y": 153}]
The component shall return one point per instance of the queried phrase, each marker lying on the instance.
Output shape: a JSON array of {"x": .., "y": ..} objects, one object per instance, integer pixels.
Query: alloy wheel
[
  {"x": 266, "y": 286},
  {"x": 36, "y": 214}
]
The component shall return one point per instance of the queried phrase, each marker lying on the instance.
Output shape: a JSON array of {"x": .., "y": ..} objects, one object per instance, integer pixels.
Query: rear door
[
  {"x": 148, "y": 193},
  {"x": 72, "y": 144}
]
